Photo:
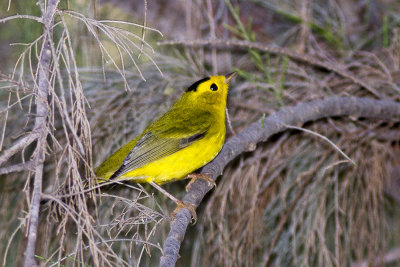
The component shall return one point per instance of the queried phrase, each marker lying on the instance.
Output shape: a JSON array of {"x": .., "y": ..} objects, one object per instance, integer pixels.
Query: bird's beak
[{"x": 230, "y": 76}]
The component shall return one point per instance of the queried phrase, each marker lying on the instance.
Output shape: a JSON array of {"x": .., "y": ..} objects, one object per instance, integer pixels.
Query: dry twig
[{"x": 334, "y": 67}]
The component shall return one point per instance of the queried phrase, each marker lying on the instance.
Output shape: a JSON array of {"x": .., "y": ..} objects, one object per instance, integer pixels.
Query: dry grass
[
  {"x": 293, "y": 201},
  {"x": 283, "y": 210}
]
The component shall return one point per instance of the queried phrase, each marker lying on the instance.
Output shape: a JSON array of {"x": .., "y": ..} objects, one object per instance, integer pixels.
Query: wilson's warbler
[{"x": 188, "y": 136}]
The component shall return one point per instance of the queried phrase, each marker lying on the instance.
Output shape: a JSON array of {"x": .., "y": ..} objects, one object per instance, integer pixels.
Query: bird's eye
[{"x": 214, "y": 87}]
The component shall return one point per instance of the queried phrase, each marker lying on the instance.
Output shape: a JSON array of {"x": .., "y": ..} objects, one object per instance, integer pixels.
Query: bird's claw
[
  {"x": 204, "y": 176},
  {"x": 189, "y": 206}
]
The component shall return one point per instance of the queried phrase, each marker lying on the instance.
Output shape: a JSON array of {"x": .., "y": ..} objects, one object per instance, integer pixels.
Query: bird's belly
[{"x": 179, "y": 164}]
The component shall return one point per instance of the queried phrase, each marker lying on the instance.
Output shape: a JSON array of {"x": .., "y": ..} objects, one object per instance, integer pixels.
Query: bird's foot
[
  {"x": 204, "y": 176},
  {"x": 189, "y": 206}
]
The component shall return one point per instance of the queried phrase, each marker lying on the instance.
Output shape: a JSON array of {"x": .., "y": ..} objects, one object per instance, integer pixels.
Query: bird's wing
[{"x": 163, "y": 139}]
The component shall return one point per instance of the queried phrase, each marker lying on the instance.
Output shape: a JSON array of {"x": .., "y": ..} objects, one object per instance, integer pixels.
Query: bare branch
[
  {"x": 21, "y": 144},
  {"x": 17, "y": 167},
  {"x": 21, "y": 17},
  {"x": 335, "y": 67},
  {"x": 42, "y": 110},
  {"x": 259, "y": 132}
]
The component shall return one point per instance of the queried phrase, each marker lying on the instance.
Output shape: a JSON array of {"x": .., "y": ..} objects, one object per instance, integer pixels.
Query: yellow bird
[{"x": 188, "y": 136}]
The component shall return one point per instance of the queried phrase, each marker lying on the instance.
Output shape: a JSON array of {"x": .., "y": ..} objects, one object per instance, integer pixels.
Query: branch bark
[
  {"x": 259, "y": 132},
  {"x": 42, "y": 113}
]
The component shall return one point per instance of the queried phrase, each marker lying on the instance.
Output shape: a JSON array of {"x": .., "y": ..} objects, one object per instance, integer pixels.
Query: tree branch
[
  {"x": 17, "y": 167},
  {"x": 42, "y": 111},
  {"x": 19, "y": 145},
  {"x": 259, "y": 132},
  {"x": 334, "y": 67},
  {"x": 21, "y": 17}
]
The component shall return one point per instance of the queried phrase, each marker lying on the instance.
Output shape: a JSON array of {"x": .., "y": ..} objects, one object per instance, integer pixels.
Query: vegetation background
[{"x": 293, "y": 201}]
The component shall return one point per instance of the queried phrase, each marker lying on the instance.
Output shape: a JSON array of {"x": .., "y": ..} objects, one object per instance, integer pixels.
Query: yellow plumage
[{"x": 188, "y": 136}]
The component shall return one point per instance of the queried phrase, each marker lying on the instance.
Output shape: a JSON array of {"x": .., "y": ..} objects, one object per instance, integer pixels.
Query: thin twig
[
  {"x": 17, "y": 167},
  {"x": 323, "y": 137},
  {"x": 260, "y": 132},
  {"x": 143, "y": 29},
  {"x": 38, "y": 19},
  {"x": 21, "y": 144}
]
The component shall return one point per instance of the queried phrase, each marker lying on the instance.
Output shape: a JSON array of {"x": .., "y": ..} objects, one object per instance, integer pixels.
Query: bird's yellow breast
[{"x": 181, "y": 163}]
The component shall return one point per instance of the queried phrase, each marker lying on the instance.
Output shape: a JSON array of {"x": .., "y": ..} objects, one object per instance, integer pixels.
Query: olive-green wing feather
[{"x": 163, "y": 138}]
